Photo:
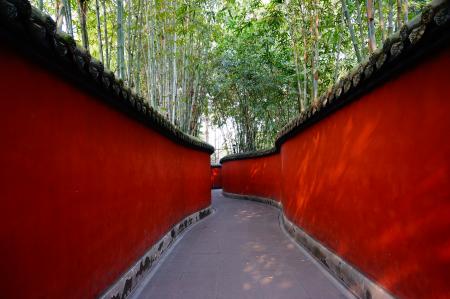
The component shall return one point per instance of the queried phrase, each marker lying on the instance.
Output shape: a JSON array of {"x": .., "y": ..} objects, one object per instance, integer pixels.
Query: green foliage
[
  {"x": 249, "y": 65},
  {"x": 273, "y": 59},
  {"x": 253, "y": 80}
]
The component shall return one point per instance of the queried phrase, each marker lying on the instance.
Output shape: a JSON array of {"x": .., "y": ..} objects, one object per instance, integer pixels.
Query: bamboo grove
[{"x": 248, "y": 66}]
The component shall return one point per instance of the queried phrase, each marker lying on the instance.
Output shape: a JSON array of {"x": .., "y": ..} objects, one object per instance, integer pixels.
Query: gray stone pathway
[{"x": 239, "y": 252}]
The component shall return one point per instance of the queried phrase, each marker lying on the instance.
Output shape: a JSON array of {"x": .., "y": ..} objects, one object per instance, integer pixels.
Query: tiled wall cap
[
  {"x": 22, "y": 24},
  {"x": 416, "y": 40}
]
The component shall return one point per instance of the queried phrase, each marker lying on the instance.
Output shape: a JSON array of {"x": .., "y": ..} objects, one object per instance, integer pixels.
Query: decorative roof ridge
[
  {"x": 35, "y": 34},
  {"x": 250, "y": 154},
  {"x": 420, "y": 37}
]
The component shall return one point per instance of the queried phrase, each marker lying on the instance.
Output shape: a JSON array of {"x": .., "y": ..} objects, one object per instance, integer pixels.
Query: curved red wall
[
  {"x": 372, "y": 181},
  {"x": 258, "y": 177},
  {"x": 216, "y": 177},
  {"x": 84, "y": 189}
]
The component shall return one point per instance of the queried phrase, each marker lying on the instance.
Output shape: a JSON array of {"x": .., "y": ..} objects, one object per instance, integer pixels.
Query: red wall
[
  {"x": 259, "y": 177},
  {"x": 216, "y": 177},
  {"x": 372, "y": 181},
  {"x": 84, "y": 189}
]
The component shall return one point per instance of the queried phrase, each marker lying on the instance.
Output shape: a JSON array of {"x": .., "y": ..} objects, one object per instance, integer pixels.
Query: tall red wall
[
  {"x": 372, "y": 181},
  {"x": 258, "y": 177},
  {"x": 216, "y": 177},
  {"x": 84, "y": 189}
]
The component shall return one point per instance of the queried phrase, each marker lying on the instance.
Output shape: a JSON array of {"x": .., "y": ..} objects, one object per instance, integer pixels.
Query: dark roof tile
[
  {"x": 422, "y": 36},
  {"x": 22, "y": 24}
]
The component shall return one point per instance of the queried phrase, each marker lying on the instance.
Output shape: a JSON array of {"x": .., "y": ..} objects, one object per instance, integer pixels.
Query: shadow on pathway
[{"x": 239, "y": 252}]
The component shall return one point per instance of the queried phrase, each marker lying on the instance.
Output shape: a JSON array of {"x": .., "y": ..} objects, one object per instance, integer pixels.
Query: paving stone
[{"x": 239, "y": 252}]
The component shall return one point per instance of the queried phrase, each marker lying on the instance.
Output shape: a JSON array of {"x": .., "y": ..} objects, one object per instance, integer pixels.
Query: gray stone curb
[
  {"x": 352, "y": 279},
  {"x": 129, "y": 281}
]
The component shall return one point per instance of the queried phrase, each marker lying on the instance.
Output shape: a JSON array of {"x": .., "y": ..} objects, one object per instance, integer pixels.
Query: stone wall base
[
  {"x": 355, "y": 281},
  {"x": 128, "y": 282}
]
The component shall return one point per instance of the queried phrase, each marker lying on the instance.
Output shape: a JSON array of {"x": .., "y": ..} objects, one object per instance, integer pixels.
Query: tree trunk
[
  {"x": 381, "y": 17},
  {"x": 157, "y": 61},
  {"x": 187, "y": 71},
  {"x": 305, "y": 59},
  {"x": 99, "y": 32},
  {"x": 297, "y": 69},
  {"x": 105, "y": 27},
  {"x": 338, "y": 50},
  {"x": 82, "y": 12},
  {"x": 360, "y": 27},
  {"x": 138, "y": 60},
  {"x": 135, "y": 47},
  {"x": 175, "y": 75},
  {"x": 399, "y": 15},
  {"x": 120, "y": 41},
  {"x": 305, "y": 82},
  {"x": 68, "y": 16},
  {"x": 59, "y": 9},
  {"x": 405, "y": 11},
  {"x": 151, "y": 71},
  {"x": 154, "y": 62},
  {"x": 391, "y": 17},
  {"x": 351, "y": 30},
  {"x": 371, "y": 26},
  {"x": 315, "y": 56},
  {"x": 164, "y": 70},
  {"x": 129, "y": 46}
]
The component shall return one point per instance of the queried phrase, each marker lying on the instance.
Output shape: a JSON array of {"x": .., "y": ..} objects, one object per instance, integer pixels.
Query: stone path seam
[{"x": 239, "y": 252}]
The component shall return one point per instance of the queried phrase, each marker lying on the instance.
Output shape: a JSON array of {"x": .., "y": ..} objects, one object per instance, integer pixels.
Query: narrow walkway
[{"x": 239, "y": 252}]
